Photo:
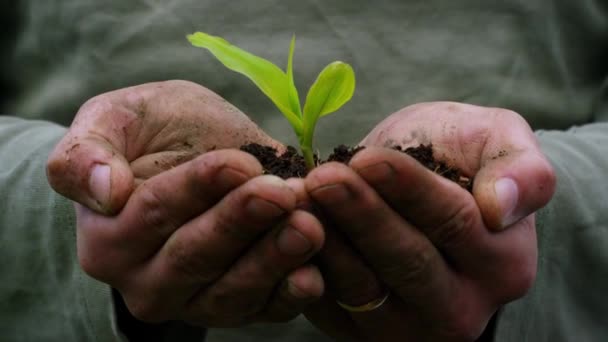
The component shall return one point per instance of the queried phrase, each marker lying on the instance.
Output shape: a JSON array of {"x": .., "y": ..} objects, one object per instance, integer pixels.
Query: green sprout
[{"x": 333, "y": 87}]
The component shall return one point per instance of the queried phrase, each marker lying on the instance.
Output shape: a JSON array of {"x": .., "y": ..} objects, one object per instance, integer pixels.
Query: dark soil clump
[
  {"x": 291, "y": 164},
  {"x": 287, "y": 165},
  {"x": 424, "y": 155},
  {"x": 343, "y": 153}
]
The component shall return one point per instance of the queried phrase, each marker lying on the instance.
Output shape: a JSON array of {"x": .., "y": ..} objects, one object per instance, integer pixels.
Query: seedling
[{"x": 333, "y": 87}]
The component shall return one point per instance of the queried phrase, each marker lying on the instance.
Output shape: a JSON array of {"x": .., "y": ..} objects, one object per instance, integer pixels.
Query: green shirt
[{"x": 545, "y": 59}]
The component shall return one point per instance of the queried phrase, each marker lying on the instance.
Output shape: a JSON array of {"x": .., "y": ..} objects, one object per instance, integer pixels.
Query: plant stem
[{"x": 309, "y": 157}]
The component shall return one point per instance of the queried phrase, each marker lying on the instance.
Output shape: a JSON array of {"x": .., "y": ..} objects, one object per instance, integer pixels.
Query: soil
[{"x": 291, "y": 164}]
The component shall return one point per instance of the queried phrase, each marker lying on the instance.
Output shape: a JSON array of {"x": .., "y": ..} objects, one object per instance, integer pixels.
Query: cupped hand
[
  {"x": 209, "y": 242},
  {"x": 183, "y": 228},
  {"x": 448, "y": 259},
  {"x": 123, "y": 137}
]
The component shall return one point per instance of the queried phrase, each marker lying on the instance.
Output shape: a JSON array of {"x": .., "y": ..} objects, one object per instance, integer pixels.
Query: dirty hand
[
  {"x": 180, "y": 233},
  {"x": 121, "y": 138},
  {"x": 446, "y": 258}
]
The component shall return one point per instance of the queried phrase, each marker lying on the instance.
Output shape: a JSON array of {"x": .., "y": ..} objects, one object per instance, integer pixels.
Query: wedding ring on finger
[{"x": 367, "y": 307}]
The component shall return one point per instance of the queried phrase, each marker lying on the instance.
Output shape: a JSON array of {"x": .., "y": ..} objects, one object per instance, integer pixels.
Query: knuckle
[
  {"x": 227, "y": 224},
  {"x": 95, "y": 107},
  {"x": 457, "y": 226},
  {"x": 185, "y": 260},
  {"x": 179, "y": 259},
  {"x": 419, "y": 264},
  {"x": 415, "y": 271},
  {"x": 55, "y": 171},
  {"x": 55, "y": 165},
  {"x": 61, "y": 165},
  {"x": 154, "y": 213},
  {"x": 238, "y": 224},
  {"x": 95, "y": 101}
]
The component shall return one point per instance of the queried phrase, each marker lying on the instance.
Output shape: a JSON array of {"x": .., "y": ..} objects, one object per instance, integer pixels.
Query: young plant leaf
[
  {"x": 271, "y": 80},
  {"x": 294, "y": 97},
  {"x": 334, "y": 86}
]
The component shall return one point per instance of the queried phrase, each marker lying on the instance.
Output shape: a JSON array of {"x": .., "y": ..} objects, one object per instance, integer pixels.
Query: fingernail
[
  {"x": 291, "y": 242},
  {"x": 294, "y": 291},
  {"x": 258, "y": 206},
  {"x": 507, "y": 196},
  {"x": 333, "y": 193},
  {"x": 377, "y": 173},
  {"x": 229, "y": 178},
  {"x": 99, "y": 184}
]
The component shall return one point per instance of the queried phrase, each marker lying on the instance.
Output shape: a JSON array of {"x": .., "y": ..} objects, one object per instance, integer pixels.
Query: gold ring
[{"x": 369, "y": 306}]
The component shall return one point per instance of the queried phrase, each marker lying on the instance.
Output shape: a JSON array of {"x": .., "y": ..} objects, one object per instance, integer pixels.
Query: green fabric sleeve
[
  {"x": 44, "y": 295},
  {"x": 568, "y": 301}
]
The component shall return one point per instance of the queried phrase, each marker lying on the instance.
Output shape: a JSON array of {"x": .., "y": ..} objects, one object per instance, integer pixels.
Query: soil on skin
[{"x": 291, "y": 164}]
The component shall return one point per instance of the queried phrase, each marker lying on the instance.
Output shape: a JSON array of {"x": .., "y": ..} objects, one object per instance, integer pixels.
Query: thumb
[
  {"x": 90, "y": 171},
  {"x": 513, "y": 185}
]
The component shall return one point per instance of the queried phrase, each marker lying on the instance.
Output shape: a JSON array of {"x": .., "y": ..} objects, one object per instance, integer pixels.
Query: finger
[
  {"x": 247, "y": 286},
  {"x": 497, "y": 146},
  {"x": 303, "y": 200},
  {"x": 512, "y": 186},
  {"x": 446, "y": 213},
  {"x": 157, "y": 208},
  {"x": 397, "y": 252},
  {"x": 349, "y": 279},
  {"x": 389, "y": 322},
  {"x": 332, "y": 320},
  {"x": 421, "y": 283},
  {"x": 452, "y": 221},
  {"x": 303, "y": 286},
  {"x": 91, "y": 171},
  {"x": 89, "y": 165},
  {"x": 337, "y": 258},
  {"x": 513, "y": 179},
  {"x": 203, "y": 249}
]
